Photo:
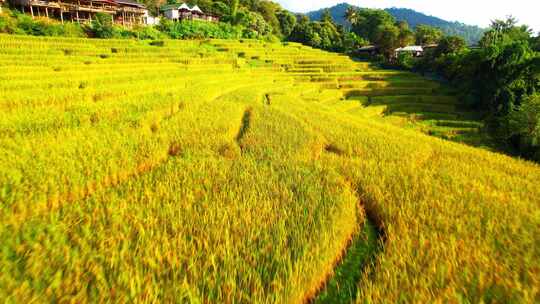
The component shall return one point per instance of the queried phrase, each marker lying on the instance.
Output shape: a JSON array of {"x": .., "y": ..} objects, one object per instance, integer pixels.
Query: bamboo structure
[{"x": 124, "y": 12}]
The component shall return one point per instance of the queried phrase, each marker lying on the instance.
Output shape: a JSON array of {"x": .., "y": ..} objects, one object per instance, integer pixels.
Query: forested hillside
[{"x": 471, "y": 34}]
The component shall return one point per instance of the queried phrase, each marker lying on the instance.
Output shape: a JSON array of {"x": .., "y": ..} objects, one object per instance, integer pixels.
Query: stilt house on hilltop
[{"x": 124, "y": 12}]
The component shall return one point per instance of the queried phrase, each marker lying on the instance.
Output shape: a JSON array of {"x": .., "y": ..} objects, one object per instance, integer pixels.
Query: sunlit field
[{"x": 241, "y": 172}]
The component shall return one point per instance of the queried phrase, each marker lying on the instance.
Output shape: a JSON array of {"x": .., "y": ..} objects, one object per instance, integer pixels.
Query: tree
[
  {"x": 221, "y": 9},
  {"x": 535, "y": 43},
  {"x": 234, "y": 11},
  {"x": 327, "y": 17},
  {"x": 268, "y": 9},
  {"x": 370, "y": 21},
  {"x": 325, "y": 34},
  {"x": 102, "y": 26},
  {"x": 351, "y": 15},
  {"x": 505, "y": 31},
  {"x": 387, "y": 39},
  {"x": 380, "y": 28},
  {"x": 406, "y": 36},
  {"x": 352, "y": 42},
  {"x": 524, "y": 125},
  {"x": 254, "y": 25},
  {"x": 425, "y": 34},
  {"x": 287, "y": 22},
  {"x": 449, "y": 45}
]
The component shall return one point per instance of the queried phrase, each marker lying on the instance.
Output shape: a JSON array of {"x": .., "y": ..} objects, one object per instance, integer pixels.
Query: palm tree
[
  {"x": 351, "y": 15},
  {"x": 234, "y": 11}
]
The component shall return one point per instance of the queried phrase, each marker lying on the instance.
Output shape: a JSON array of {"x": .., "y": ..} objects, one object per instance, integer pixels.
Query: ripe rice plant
[{"x": 242, "y": 171}]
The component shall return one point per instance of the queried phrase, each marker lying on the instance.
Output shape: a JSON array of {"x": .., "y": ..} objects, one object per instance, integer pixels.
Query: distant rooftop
[{"x": 411, "y": 48}]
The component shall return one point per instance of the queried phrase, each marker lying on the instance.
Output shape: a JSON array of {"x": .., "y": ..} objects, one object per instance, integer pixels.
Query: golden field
[{"x": 239, "y": 172}]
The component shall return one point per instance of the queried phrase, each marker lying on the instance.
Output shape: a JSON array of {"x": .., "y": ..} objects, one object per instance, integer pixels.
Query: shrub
[
  {"x": 7, "y": 23},
  {"x": 102, "y": 26},
  {"x": 199, "y": 30},
  {"x": 160, "y": 43},
  {"x": 14, "y": 22},
  {"x": 524, "y": 125},
  {"x": 405, "y": 61},
  {"x": 147, "y": 33}
]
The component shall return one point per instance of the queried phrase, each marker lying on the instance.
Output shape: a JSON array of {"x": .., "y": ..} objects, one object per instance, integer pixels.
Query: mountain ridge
[{"x": 471, "y": 33}]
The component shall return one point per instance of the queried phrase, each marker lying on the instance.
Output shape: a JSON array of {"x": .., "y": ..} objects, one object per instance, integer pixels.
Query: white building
[
  {"x": 177, "y": 12},
  {"x": 150, "y": 20},
  {"x": 415, "y": 50}
]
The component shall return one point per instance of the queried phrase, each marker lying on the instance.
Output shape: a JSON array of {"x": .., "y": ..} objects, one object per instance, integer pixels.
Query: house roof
[
  {"x": 184, "y": 7},
  {"x": 108, "y": 1},
  {"x": 131, "y": 2},
  {"x": 196, "y": 9},
  {"x": 368, "y": 48},
  {"x": 411, "y": 48},
  {"x": 179, "y": 7}
]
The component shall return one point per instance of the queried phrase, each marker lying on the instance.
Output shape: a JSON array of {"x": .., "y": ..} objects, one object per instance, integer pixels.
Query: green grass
[
  {"x": 343, "y": 286},
  {"x": 188, "y": 173}
]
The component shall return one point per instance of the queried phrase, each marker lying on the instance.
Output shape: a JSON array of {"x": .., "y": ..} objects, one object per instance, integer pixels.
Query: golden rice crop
[{"x": 239, "y": 171}]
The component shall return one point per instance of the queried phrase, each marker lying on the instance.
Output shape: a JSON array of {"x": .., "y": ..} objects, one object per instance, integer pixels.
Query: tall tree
[
  {"x": 287, "y": 22},
  {"x": 450, "y": 45},
  {"x": 351, "y": 15},
  {"x": 524, "y": 123},
  {"x": 535, "y": 43},
  {"x": 387, "y": 39},
  {"x": 268, "y": 9},
  {"x": 406, "y": 35},
  {"x": 370, "y": 21},
  {"x": 327, "y": 17},
  {"x": 234, "y": 11},
  {"x": 505, "y": 31},
  {"x": 425, "y": 34}
]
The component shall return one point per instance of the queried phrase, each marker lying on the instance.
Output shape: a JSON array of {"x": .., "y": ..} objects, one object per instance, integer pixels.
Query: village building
[
  {"x": 369, "y": 50},
  {"x": 130, "y": 12},
  {"x": 178, "y": 12},
  {"x": 415, "y": 50},
  {"x": 150, "y": 20},
  {"x": 124, "y": 12}
]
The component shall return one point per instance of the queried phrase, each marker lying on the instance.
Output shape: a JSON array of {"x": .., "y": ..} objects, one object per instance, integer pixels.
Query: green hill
[{"x": 472, "y": 34}]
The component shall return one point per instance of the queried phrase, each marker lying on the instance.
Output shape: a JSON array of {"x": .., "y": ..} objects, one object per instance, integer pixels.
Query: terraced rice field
[{"x": 241, "y": 171}]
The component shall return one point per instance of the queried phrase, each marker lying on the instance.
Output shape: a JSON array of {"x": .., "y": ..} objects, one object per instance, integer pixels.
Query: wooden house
[
  {"x": 369, "y": 50},
  {"x": 125, "y": 12},
  {"x": 130, "y": 12}
]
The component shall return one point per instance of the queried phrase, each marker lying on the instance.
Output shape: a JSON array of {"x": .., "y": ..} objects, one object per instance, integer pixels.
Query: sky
[{"x": 473, "y": 12}]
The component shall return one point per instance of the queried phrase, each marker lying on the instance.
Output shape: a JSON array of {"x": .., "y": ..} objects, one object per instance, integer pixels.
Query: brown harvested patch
[
  {"x": 244, "y": 126},
  {"x": 267, "y": 99},
  {"x": 154, "y": 127},
  {"x": 229, "y": 151},
  {"x": 331, "y": 148},
  {"x": 175, "y": 149}
]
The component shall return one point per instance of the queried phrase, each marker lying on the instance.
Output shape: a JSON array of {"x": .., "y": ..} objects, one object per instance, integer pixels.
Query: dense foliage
[
  {"x": 324, "y": 34},
  {"x": 198, "y": 30},
  {"x": 425, "y": 34},
  {"x": 471, "y": 34},
  {"x": 13, "y": 22},
  {"x": 500, "y": 78}
]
